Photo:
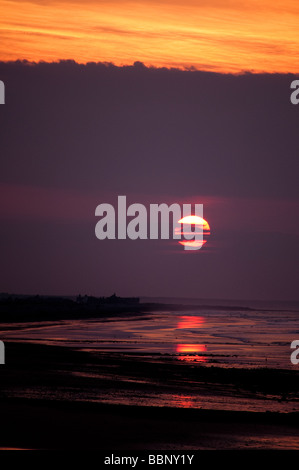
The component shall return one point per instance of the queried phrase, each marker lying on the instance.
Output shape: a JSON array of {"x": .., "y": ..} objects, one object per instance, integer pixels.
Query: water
[
  {"x": 224, "y": 335},
  {"x": 152, "y": 359}
]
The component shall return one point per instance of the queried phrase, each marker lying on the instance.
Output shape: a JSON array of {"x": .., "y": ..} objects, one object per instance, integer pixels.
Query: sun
[
  {"x": 202, "y": 228},
  {"x": 195, "y": 220}
]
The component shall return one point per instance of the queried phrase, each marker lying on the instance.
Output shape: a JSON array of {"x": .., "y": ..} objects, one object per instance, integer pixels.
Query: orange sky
[{"x": 216, "y": 35}]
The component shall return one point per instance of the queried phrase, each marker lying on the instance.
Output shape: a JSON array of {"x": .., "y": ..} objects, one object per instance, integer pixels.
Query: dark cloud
[
  {"x": 91, "y": 126},
  {"x": 73, "y": 132}
]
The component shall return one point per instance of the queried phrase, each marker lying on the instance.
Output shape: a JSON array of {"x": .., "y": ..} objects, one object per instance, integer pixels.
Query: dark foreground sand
[
  {"x": 52, "y": 425},
  {"x": 41, "y": 406}
]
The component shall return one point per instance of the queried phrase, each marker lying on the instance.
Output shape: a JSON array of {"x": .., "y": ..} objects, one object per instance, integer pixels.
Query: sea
[{"x": 223, "y": 333}]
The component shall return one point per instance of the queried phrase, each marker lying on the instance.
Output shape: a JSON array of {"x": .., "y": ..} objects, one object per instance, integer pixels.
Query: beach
[
  {"x": 67, "y": 426},
  {"x": 50, "y": 400}
]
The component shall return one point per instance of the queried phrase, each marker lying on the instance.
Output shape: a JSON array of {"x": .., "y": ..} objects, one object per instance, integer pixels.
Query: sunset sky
[{"x": 214, "y": 35}]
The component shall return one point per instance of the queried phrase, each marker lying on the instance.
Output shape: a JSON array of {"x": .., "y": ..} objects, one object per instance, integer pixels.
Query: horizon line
[
  {"x": 152, "y": 297},
  {"x": 139, "y": 65}
]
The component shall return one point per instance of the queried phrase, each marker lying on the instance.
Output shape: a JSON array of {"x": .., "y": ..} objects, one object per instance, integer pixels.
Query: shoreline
[{"x": 36, "y": 309}]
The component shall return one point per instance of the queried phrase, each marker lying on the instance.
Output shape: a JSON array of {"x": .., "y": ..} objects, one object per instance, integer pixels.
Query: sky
[
  {"x": 164, "y": 102},
  {"x": 213, "y": 35}
]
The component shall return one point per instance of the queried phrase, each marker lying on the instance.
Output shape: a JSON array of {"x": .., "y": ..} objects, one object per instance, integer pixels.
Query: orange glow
[
  {"x": 194, "y": 243},
  {"x": 220, "y": 36},
  {"x": 189, "y": 352},
  {"x": 192, "y": 358},
  {"x": 190, "y": 322},
  {"x": 190, "y": 348},
  {"x": 182, "y": 401}
]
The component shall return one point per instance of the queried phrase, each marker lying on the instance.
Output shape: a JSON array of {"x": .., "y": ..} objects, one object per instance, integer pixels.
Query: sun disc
[{"x": 195, "y": 220}]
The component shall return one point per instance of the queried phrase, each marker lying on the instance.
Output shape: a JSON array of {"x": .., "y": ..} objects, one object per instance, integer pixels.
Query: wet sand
[
  {"x": 58, "y": 425},
  {"x": 49, "y": 399}
]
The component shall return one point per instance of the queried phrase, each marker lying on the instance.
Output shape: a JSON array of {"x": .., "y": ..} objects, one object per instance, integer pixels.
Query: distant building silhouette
[{"x": 112, "y": 300}]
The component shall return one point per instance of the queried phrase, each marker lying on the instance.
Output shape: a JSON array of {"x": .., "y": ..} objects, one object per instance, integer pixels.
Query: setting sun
[
  {"x": 195, "y": 220},
  {"x": 202, "y": 228}
]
